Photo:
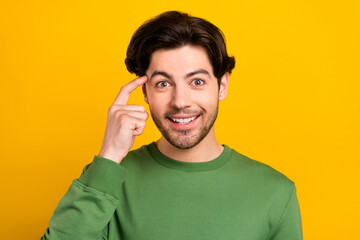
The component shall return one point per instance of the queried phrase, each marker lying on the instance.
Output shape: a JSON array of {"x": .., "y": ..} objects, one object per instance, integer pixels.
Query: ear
[
  {"x": 224, "y": 83},
  {"x": 145, "y": 94}
]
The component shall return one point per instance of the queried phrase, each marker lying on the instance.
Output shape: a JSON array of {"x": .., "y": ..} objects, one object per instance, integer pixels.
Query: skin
[
  {"x": 182, "y": 85},
  {"x": 179, "y": 83},
  {"x": 124, "y": 122}
]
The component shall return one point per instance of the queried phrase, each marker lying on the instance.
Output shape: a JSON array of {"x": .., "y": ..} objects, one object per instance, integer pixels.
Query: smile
[{"x": 183, "y": 120}]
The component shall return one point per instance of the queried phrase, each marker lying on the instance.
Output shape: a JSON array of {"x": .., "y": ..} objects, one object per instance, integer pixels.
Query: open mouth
[{"x": 183, "y": 120}]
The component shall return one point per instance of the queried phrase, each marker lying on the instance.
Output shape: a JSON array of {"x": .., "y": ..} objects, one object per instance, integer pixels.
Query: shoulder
[
  {"x": 136, "y": 157},
  {"x": 137, "y": 153},
  {"x": 260, "y": 173},
  {"x": 133, "y": 157}
]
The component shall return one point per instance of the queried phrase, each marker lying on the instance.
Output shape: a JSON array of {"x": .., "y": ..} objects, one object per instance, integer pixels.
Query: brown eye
[
  {"x": 198, "y": 82},
  {"x": 162, "y": 84}
]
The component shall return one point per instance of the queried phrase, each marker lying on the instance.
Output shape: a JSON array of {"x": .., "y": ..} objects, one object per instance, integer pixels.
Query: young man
[{"x": 186, "y": 185}]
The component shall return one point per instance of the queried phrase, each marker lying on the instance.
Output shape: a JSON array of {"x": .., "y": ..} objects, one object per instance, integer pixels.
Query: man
[{"x": 186, "y": 185}]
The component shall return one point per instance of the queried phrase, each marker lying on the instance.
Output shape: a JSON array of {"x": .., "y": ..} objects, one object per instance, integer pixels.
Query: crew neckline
[{"x": 189, "y": 166}]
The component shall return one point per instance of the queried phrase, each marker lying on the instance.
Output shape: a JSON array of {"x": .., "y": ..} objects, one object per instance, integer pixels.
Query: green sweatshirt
[{"x": 149, "y": 196}]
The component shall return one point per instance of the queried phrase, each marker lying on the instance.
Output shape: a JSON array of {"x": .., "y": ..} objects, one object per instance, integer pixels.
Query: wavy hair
[{"x": 175, "y": 29}]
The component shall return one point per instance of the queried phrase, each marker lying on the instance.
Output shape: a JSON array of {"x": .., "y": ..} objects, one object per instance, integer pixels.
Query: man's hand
[{"x": 124, "y": 122}]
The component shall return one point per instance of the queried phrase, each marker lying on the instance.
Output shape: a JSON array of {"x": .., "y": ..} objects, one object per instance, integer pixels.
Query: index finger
[{"x": 125, "y": 91}]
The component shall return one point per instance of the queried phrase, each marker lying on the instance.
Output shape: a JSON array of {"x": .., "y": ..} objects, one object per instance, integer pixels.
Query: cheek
[
  {"x": 208, "y": 98},
  {"x": 156, "y": 97},
  {"x": 157, "y": 102}
]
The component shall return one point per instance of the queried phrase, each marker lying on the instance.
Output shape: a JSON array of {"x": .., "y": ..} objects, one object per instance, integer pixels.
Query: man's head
[
  {"x": 174, "y": 29},
  {"x": 187, "y": 66}
]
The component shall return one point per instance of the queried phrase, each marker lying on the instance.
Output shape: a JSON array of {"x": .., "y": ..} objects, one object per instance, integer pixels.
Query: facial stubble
[{"x": 185, "y": 139}]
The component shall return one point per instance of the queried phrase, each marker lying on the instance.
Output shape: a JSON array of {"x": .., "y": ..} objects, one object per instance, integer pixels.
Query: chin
[{"x": 185, "y": 139}]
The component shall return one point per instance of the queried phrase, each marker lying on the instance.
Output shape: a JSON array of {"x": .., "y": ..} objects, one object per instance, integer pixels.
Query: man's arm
[
  {"x": 124, "y": 122},
  {"x": 90, "y": 202},
  {"x": 88, "y": 205},
  {"x": 289, "y": 226}
]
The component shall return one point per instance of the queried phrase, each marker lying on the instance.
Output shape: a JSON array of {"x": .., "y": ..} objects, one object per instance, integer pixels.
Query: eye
[
  {"x": 198, "y": 82},
  {"x": 162, "y": 84}
]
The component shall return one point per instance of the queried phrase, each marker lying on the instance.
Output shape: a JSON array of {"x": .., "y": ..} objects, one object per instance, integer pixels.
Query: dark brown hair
[{"x": 175, "y": 29}]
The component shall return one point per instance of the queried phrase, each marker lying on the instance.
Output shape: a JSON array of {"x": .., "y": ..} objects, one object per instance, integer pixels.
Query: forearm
[{"x": 90, "y": 202}]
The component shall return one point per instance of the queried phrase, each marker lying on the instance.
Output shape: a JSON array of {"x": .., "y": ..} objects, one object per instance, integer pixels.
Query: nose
[{"x": 181, "y": 97}]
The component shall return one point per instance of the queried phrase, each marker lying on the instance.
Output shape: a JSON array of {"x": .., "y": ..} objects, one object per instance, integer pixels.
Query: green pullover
[{"x": 149, "y": 196}]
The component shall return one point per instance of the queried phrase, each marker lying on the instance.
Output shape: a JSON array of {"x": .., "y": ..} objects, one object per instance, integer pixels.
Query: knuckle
[
  {"x": 119, "y": 114},
  {"x": 123, "y": 89},
  {"x": 112, "y": 108},
  {"x": 145, "y": 115},
  {"x": 124, "y": 118}
]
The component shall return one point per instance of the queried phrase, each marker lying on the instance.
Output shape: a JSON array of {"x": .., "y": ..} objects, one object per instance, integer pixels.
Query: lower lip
[{"x": 183, "y": 126}]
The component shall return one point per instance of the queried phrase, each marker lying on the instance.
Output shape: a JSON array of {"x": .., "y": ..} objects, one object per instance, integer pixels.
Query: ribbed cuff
[{"x": 105, "y": 176}]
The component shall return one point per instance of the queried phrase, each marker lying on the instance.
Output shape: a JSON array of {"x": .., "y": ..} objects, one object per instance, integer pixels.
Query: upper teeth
[{"x": 183, "y": 120}]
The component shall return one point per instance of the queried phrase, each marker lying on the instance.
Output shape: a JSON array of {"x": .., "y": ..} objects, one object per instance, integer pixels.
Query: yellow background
[{"x": 293, "y": 101}]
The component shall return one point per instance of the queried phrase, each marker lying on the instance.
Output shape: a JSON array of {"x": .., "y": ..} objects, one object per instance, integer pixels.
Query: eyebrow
[
  {"x": 200, "y": 71},
  {"x": 156, "y": 73},
  {"x": 190, "y": 74}
]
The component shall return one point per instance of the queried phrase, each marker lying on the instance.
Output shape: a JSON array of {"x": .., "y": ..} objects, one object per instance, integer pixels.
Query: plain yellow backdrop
[{"x": 293, "y": 101}]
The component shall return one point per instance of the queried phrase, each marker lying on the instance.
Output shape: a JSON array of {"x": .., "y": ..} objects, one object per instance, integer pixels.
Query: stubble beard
[{"x": 185, "y": 139}]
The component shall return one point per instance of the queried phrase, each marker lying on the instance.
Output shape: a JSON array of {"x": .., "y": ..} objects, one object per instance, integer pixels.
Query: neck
[{"x": 208, "y": 149}]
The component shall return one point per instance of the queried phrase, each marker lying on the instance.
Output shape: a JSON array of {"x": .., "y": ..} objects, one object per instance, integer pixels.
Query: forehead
[{"x": 180, "y": 60}]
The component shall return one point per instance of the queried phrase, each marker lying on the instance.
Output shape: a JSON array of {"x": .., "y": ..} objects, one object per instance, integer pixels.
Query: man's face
[{"x": 183, "y": 94}]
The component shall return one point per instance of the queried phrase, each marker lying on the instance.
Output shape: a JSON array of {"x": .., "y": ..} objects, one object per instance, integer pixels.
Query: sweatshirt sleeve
[
  {"x": 289, "y": 226},
  {"x": 88, "y": 205}
]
